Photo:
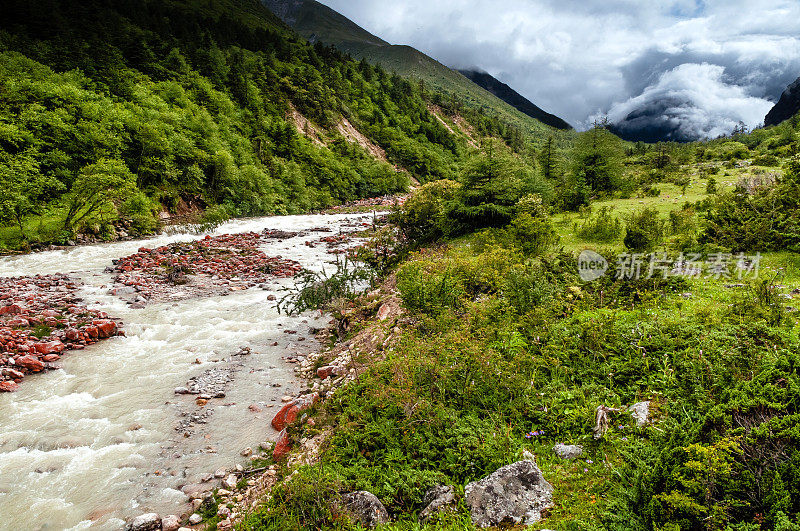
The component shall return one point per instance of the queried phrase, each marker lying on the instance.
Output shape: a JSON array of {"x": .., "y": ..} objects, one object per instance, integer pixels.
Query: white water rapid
[{"x": 95, "y": 443}]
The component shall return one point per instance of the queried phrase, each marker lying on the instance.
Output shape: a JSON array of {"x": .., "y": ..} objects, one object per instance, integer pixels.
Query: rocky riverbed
[
  {"x": 41, "y": 317},
  {"x": 134, "y": 424}
]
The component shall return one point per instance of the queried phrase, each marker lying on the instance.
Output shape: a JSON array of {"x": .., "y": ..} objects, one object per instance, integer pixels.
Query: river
[{"x": 102, "y": 439}]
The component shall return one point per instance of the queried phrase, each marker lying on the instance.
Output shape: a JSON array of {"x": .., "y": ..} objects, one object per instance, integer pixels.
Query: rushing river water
[{"x": 102, "y": 439}]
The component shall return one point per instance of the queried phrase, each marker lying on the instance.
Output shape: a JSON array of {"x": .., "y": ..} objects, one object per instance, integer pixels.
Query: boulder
[
  {"x": 50, "y": 347},
  {"x": 327, "y": 371},
  {"x": 437, "y": 500},
  {"x": 11, "y": 309},
  {"x": 195, "y": 519},
  {"x": 8, "y": 387},
  {"x": 640, "y": 412},
  {"x": 516, "y": 494},
  {"x": 289, "y": 412},
  {"x": 568, "y": 451},
  {"x": 170, "y": 523},
  {"x": 30, "y": 363},
  {"x": 105, "y": 328},
  {"x": 364, "y": 508},
  {"x": 230, "y": 481},
  {"x": 196, "y": 491},
  {"x": 145, "y": 522},
  {"x": 282, "y": 446}
]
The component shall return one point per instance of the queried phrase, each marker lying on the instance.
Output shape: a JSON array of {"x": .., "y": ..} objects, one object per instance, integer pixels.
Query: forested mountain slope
[
  {"x": 320, "y": 23},
  {"x": 115, "y": 110},
  {"x": 514, "y": 98}
]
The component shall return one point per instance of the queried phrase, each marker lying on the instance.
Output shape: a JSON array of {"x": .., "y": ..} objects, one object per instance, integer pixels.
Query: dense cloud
[{"x": 707, "y": 64}]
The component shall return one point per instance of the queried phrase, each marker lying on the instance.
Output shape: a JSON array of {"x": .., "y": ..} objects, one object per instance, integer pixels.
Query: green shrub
[
  {"x": 603, "y": 227},
  {"x": 424, "y": 216},
  {"x": 138, "y": 210},
  {"x": 532, "y": 235},
  {"x": 766, "y": 219},
  {"x": 643, "y": 230},
  {"x": 424, "y": 289}
]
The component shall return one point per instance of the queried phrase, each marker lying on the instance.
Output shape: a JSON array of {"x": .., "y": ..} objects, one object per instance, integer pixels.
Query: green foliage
[
  {"x": 643, "y": 230},
  {"x": 597, "y": 159},
  {"x": 22, "y": 187},
  {"x": 533, "y": 235},
  {"x": 425, "y": 215},
  {"x": 196, "y": 107},
  {"x": 97, "y": 191},
  {"x": 603, "y": 227},
  {"x": 492, "y": 183},
  {"x": 761, "y": 219},
  {"x": 314, "y": 290},
  {"x": 549, "y": 160}
]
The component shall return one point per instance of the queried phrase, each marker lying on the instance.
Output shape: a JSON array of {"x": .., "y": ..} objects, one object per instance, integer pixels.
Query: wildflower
[{"x": 589, "y": 461}]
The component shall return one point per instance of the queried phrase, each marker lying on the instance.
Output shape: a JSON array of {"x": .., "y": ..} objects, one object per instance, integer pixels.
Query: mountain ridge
[
  {"x": 513, "y": 98},
  {"x": 319, "y": 23},
  {"x": 788, "y": 105}
]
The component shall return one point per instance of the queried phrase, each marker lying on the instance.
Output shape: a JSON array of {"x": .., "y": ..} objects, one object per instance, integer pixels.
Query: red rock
[
  {"x": 30, "y": 363},
  {"x": 51, "y": 357},
  {"x": 8, "y": 387},
  {"x": 282, "y": 446},
  {"x": 289, "y": 412},
  {"x": 384, "y": 312},
  {"x": 18, "y": 322},
  {"x": 72, "y": 334},
  {"x": 327, "y": 371},
  {"x": 49, "y": 313},
  {"x": 13, "y": 309},
  {"x": 105, "y": 328},
  {"x": 13, "y": 374},
  {"x": 50, "y": 347},
  {"x": 92, "y": 331}
]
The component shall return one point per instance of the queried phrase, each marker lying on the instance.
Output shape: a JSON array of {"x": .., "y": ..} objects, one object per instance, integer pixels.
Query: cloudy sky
[{"x": 708, "y": 63}]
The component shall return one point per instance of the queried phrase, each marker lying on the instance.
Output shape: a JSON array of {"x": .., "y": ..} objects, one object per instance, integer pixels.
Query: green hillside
[
  {"x": 113, "y": 113},
  {"x": 318, "y": 22}
]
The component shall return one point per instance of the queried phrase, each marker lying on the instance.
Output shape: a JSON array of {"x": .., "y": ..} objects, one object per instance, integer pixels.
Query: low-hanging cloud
[
  {"x": 580, "y": 58},
  {"x": 688, "y": 102}
]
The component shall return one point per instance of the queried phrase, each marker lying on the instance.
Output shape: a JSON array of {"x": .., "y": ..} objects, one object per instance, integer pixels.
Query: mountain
[
  {"x": 655, "y": 121},
  {"x": 513, "y": 98},
  {"x": 112, "y": 113},
  {"x": 787, "y": 106},
  {"x": 319, "y": 23}
]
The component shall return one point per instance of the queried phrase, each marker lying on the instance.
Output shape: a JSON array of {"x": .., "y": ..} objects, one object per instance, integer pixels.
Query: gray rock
[
  {"x": 568, "y": 451},
  {"x": 437, "y": 500},
  {"x": 364, "y": 508},
  {"x": 170, "y": 523},
  {"x": 145, "y": 522},
  {"x": 195, "y": 519},
  {"x": 230, "y": 481},
  {"x": 640, "y": 411},
  {"x": 516, "y": 494}
]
